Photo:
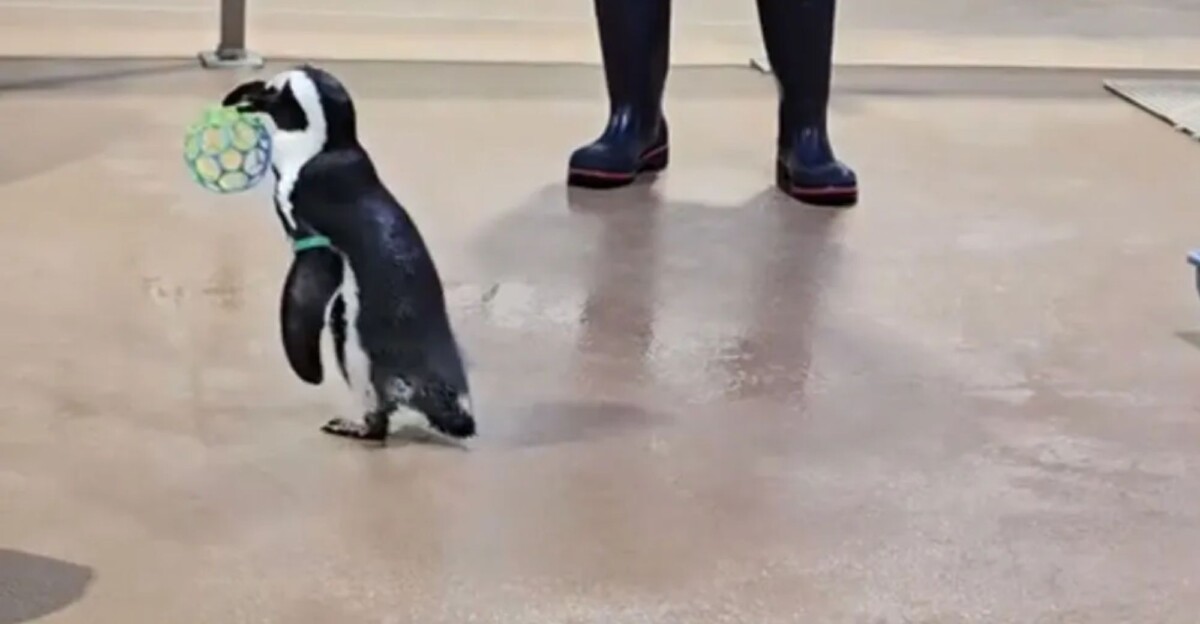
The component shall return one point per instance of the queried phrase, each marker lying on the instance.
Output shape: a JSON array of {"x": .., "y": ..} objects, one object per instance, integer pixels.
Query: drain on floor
[{"x": 1176, "y": 102}]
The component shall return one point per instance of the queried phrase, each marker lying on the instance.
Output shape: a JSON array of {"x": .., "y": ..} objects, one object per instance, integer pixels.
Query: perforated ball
[{"x": 227, "y": 151}]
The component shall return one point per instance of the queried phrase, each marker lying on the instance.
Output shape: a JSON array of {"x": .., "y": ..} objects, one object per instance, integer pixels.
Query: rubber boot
[
  {"x": 635, "y": 44},
  {"x": 798, "y": 36}
]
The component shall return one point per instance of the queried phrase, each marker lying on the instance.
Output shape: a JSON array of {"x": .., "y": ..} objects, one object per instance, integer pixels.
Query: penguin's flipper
[{"x": 312, "y": 281}]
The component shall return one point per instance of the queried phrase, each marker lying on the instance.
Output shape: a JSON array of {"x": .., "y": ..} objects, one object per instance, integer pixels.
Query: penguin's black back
[{"x": 402, "y": 320}]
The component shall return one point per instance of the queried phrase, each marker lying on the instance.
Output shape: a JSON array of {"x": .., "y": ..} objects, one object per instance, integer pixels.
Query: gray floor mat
[{"x": 1176, "y": 102}]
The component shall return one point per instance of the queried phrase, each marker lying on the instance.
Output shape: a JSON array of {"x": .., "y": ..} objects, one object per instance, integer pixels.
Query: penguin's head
[{"x": 309, "y": 109}]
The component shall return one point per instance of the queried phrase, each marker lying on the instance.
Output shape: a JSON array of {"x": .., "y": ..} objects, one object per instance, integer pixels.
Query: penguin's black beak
[{"x": 251, "y": 97}]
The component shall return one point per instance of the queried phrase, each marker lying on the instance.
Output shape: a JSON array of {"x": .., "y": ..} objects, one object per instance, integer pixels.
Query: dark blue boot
[
  {"x": 798, "y": 36},
  {"x": 635, "y": 43}
]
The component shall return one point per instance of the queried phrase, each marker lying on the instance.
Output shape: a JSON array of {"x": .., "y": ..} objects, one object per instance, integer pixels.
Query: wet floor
[{"x": 970, "y": 399}]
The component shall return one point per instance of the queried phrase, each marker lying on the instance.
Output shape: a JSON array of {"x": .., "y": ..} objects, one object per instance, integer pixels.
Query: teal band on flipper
[{"x": 310, "y": 242}]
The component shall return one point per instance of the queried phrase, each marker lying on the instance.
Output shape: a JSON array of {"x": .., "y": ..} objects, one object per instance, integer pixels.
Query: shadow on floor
[
  {"x": 54, "y": 74},
  {"x": 1190, "y": 337},
  {"x": 567, "y": 422},
  {"x": 32, "y": 586}
]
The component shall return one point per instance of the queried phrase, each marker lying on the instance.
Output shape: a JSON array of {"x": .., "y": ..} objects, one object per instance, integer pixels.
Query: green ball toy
[{"x": 227, "y": 151}]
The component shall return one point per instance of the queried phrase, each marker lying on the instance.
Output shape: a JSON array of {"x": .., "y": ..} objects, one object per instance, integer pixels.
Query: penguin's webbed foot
[{"x": 345, "y": 428}]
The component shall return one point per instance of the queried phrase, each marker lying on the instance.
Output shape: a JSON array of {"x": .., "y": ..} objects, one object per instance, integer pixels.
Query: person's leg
[
  {"x": 798, "y": 36},
  {"x": 635, "y": 43}
]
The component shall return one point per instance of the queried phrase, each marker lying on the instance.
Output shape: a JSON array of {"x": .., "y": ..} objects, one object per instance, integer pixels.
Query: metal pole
[{"x": 231, "y": 50}]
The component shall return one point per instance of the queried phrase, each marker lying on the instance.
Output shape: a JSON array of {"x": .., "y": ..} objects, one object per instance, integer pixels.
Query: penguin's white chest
[
  {"x": 285, "y": 182},
  {"x": 290, "y": 152},
  {"x": 358, "y": 365}
]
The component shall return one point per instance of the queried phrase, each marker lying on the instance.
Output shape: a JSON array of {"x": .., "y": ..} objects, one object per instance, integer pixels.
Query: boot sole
[
  {"x": 831, "y": 196},
  {"x": 653, "y": 161}
]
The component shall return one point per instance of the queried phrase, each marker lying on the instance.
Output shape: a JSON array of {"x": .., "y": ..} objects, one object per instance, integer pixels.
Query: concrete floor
[{"x": 970, "y": 399}]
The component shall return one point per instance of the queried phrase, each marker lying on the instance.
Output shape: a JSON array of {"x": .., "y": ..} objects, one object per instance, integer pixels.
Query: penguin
[{"x": 360, "y": 266}]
